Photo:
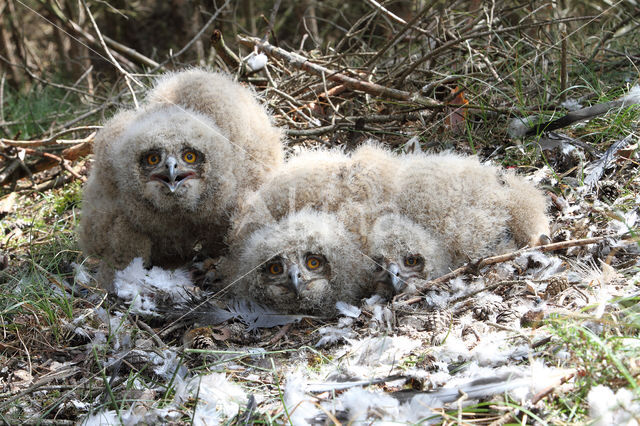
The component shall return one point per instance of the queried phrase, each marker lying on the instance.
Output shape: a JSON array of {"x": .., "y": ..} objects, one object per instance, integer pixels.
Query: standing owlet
[
  {"x": 168, "y": 176},
  {"x": 303, "y": 263}
]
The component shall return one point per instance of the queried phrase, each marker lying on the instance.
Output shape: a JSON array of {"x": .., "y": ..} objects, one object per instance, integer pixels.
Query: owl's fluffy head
[
  {"x": 171, "y": 160},
  {"x": 405, "y": 253},
  {"x": 233, "y": 107},
  {"x": 305, "y": 262}
]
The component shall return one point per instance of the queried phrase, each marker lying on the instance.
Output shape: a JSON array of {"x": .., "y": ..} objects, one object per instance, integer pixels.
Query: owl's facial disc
[
  {"x": 294, "y": 279},
  {"x": 171, "y": 175},
  {"x": 172, "y": 171},
  {"x": 394, "y": 276}
]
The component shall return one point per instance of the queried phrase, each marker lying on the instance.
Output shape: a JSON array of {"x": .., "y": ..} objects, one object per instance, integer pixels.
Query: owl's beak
[
  {"x": 294, "y": 279},
  {"x": 172, "y": 177},
  {"x": 393, "y": 274}
]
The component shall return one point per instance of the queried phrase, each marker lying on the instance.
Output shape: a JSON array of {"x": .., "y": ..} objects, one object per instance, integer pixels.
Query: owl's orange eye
[
  {"x": 189, "y": 156},
  {"x": 412, "y": 260},
  {"x": 313, "y": 262},
  {"x": 153, "y": 159},
  {"x": 275, "y": 268}
]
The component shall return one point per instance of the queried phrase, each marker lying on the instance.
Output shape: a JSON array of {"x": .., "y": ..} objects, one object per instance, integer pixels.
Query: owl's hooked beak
[
  {"x": 294, "y": 279},
  {"x": 172, "y": 177},
  {"x": 393, "y": 275}
]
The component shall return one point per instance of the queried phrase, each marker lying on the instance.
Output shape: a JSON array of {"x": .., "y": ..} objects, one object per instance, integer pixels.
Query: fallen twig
[
  {"x": 60, "y": 160},
  {"x": 503, "y": 258},
  {"x": 585, "y": 114},
  {"x": 70, "y": 154},
  {"x": 303, "y": 63},
  {"x": 227, "y": 55},
  {"x": 53, "y": 140}
]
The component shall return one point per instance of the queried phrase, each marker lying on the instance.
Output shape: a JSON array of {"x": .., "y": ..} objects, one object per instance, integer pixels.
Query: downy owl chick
[
  {"x": 161, "y": 181},
  {"x": 405, "y": 254},
  {"x": 477, "y": 209},
  {"x": 172, "y": 173},
  {"x": 303, "y": 263}
]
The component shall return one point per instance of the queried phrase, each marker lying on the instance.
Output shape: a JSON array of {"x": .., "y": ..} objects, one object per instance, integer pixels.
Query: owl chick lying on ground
[
  {"x": 405, "y": 253},
  {"x": 166, "y": 176},
  {"x": 303, "y": 263},
  {"x": 469, "y": 210},
  {"x": 356, "y": 188},
  {"x": 479, "y": 210}
]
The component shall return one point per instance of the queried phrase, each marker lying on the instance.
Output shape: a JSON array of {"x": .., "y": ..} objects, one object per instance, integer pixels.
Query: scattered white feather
[
  {"x": 257, "y": 61},
  {"x": 419, "y": 409},
  {"x": 217, "y": 397},
  {"x": 607, "y": 408},
  {"x": 167, "y": 364},
  {"x": 633, "y": 97},
  {"x": 540, "y": 266},
  {"x": 81, "y": 275},
  {"x": 382, "y": 317},
  {"x": 361, "y": 405},
  {"x": 141, "y": 287},
  {"x": 331, "y": 335},
  {"x": 102, "y": 418},
  {"x": 381, "y": 351},
  {"x": 300, "y": 407},
  {"x": 376, "y": 299},
  {"x": 625, "y": 222},
  {"x": 348, "y": 310},
  {"x": 571, "y": 104},
  {"x": 110, "y": 417},
  {"x": 518, "y": 127}
]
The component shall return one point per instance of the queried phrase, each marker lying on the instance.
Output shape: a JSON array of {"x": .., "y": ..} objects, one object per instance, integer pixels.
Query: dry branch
[
  {"x": 227, "y": 55},
  {"x": 50, "y": 160},
  {"x": 473, "y": 266},
  {"x": 53, "y": 140},
  {"x": 303, "y": 63}
]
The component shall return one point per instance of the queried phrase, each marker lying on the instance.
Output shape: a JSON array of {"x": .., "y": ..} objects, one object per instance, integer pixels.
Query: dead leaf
[
  {"x": 224, "y": 333},
  {"x": 456, "y": 118}
]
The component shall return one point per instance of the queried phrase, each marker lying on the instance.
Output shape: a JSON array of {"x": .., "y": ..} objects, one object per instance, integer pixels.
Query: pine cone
[
  {"x": 483, "y": 310},
  {"x": 438, "y": 320},
  {"x": 555, "y": 286},
  {"x": 608, "y": 190},
  {"x": 427, "y": 361},
  {"x": 199, "y": 338}
]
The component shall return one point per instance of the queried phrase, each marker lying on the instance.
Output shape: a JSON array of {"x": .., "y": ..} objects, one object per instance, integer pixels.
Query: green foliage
[
  {"x": 31, "y": 113},
  {"x": 68, "y": 198}
]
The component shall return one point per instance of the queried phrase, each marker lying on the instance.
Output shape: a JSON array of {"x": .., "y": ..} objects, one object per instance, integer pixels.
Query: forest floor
[{"x": 547, "y": 336}]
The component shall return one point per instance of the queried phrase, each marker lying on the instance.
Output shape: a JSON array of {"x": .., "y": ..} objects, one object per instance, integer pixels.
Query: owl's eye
[
  {"x": 189, "y": 157},
  {"x": 275, "y": 268},
  {"x": 413, "y": 260},
  {"x": 314, "y": 262},
  {"x": 153, "y": 159}
]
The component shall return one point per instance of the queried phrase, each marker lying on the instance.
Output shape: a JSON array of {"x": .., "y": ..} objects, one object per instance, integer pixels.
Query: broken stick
[
  {"x": 503, "y": 258},
  {"x": 303, "y": 63}
]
